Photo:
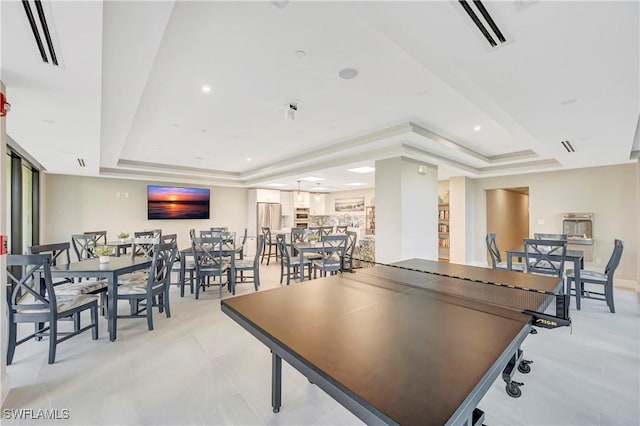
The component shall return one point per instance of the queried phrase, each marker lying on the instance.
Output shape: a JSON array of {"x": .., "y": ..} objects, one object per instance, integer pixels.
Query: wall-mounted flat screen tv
[{"x": 171, "y": 202}]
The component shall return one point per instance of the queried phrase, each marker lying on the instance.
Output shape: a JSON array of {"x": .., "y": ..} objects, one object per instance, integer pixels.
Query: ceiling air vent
[
  {"x": 81, "y": 162},
  {"x": 42, "y": 32},
  {"x": 492, "y": 33},
  {"x": 567, "y": 145}
]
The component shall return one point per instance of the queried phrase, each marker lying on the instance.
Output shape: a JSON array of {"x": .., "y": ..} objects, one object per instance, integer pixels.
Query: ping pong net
[{"x": 549, "y": 309}]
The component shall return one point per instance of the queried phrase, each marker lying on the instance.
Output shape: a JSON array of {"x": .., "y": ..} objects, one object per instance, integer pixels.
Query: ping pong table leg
[
  {"x": 517, "y": 361},
  {"x": 276, "y": 381}
]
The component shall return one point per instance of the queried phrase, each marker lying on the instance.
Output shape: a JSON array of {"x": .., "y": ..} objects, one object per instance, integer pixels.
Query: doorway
[{"x": 508, "y": 216}]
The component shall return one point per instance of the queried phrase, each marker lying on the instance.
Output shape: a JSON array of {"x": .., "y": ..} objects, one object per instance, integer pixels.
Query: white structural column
[
  {"x": 406, "y": 210},
  {"x": 4, "y": 379},
  {"x": 461, "y": 220}
]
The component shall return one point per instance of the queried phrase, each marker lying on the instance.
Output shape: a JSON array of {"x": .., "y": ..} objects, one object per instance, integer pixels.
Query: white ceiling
[{"x": 127, "y": 97}]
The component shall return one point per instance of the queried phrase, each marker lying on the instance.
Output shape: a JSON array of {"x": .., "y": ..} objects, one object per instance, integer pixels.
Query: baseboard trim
[
  {"x": 6, "y": 386},
  {"x": 627, "y": 284}
]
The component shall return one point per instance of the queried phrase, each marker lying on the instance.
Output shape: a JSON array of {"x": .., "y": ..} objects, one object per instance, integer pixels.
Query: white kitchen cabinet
[
  {"x": 267, "y": 195},
  {"x": 317, "y": 204},
  {"x": 301, "y": 199}
]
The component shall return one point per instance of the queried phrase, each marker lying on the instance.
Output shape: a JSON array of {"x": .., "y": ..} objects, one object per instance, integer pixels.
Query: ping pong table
[{"x": 416, "y": 342}]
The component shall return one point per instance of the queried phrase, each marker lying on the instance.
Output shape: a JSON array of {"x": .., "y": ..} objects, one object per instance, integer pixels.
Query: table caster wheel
[
  {"x": 524, "y": 368},
  {"x": 513, "y": 389}
]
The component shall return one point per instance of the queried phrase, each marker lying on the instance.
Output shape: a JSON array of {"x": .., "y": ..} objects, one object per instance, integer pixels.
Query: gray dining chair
[
  {"x": 604, "y": 279},
  {"x": 243, "y": 265},
  {"x": 332, "y": 250},
  {"x": 545, "y": 257},
  {"x": 210, "y": 263},
  {"x": 154, "y": 292},
  {"x": 288, "y": 263},
  {"x": 496, "y": 256},
  {"x": 31, "y": 304}
]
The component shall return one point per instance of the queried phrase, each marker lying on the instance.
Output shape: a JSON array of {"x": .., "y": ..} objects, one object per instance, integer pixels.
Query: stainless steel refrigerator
[{"x": 268, "y": 214}]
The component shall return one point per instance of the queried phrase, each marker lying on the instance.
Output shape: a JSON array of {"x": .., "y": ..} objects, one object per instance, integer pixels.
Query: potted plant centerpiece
[
  {"x": 123, "y": 237},
  {"x": 103, "y": 252},
  {"x": 313, "y": 239}
]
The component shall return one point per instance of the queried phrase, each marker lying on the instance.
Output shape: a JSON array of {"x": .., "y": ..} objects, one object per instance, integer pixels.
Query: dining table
[
  {"x": 229, "y": 250},
  {"x": 306, "y": 247},
  {"x": 575, "y": 256},
  {"x": 111, "y": 270},
  {"x": 119, "y": 246}
]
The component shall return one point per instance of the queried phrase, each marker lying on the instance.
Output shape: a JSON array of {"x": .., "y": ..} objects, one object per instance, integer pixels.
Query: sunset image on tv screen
[{"x": 170, "y": 202}]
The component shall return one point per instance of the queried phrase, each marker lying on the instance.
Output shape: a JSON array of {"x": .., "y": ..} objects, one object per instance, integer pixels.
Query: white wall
[
  {"x": 608, "y": 192},
  {"x": 75, "y": 204},
  {"x": 4, "y": 378}
]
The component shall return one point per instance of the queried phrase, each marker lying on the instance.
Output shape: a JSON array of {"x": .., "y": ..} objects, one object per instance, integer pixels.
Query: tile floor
[{"x": 200, "y": 367}]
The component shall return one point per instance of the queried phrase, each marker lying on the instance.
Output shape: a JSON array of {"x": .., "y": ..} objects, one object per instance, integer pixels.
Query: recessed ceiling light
[
  {"x": 311, "y": 178},
  {"x": 300, "y": 53},
  {"x": 248, "y": 159},
  {"x": 321, "y": 188},
  {"x": 365, "y": 169},
  {"x": 569, "y": 102},
  {"x": 347, "y": 73},
  {"x": 477, "y": 128},
  {"x": 206, "y": 89},
  {"x": 203, "y": 130},
  {"x": 199, "y": 158},
  {"x": 175, "y": 125},
  {"x": 279, "y": 185},
  {"x": 355, "y": 184},
  {"x": 48, "y": 121}
]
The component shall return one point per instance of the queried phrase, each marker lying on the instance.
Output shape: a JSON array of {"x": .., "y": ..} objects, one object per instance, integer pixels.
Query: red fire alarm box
[{"x": 3, "y": 244}]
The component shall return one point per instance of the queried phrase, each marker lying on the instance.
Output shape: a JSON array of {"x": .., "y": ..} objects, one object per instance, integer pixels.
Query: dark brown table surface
[{"x": 403, "y": 354}]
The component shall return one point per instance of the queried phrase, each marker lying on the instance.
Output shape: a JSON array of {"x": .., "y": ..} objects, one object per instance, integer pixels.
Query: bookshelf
[{"x": 443, "y": 231}]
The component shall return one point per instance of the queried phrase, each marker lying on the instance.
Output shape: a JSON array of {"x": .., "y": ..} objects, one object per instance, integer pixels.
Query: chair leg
[
  {"x": 12, "y": 338},
  {"x": 289, "y": 274},
  {"x": 281, "y": 272},
  {"x": 256, "y": 278},
  {"x": 150, "y": 312},
  {"x": 197, "y": 287},
  {"x": 269, "y": 255},
  {"x": 94, "y": 321},
  {"x": 608, "y": 291},
  {"x": 165, "y": 302},
  {"x": 76, "y": 321},
  {"x": 53, "y": 340},
  {"x": 264, "y": 251}
]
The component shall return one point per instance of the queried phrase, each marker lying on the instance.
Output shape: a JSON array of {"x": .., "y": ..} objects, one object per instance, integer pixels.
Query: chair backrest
[
  {"x": 297, "y": 235},
  {"x": 341, "y": 229},
  {"x": 494, "y": 252},
  {"x": 101, "y": 237},
  {"x": 143, "y": 246},
  {"x": 144, "y": 234},
  {"x": 614, "y": 260},
  {"x": 326, "y": 230},
  {"x": 164, "y": 256},
  {"x": 59, "y": 252},
  {"x": 545, "y": 256},
  {"x": 281, "y": 241},
  {"x": 266, "y": 231},
  {"x": 256, "y": 258},
  {"x": 207, "y": 253},
  {"x": 83, "y": 245},
  {"x": 335, "y": 243},
  {"x": 220, "y": 228},
  {"x": 208, "y": 233},
  {"x": 169, "y": 238},
  {"x": 352, "y": 238},
  {"x": 244, "y": 238},
  {"x": 229, "y": 237},
  {"x": 157, "y": 233},
  {"x": 540, "y": 236},
  {"x": 314, "y": 230},
  {"x": 34, "y": 268},
  {"x": 192, "y": 233}
]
